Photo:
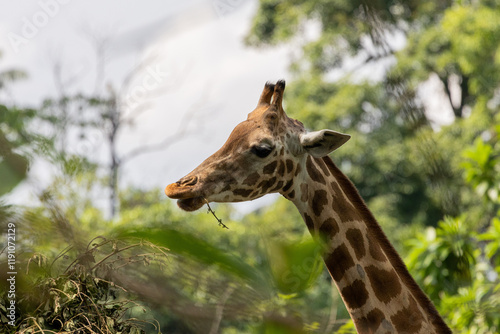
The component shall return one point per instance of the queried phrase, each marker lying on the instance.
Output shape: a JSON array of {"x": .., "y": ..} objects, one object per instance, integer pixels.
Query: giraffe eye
[{"x": 261, "y": 151}]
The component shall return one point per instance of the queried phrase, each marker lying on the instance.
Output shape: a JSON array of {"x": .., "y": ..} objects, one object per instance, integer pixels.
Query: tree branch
[
  {"x": 464, "y": 90},
  {"x": 180, "y": 134},
  {"x": 456, "y": 111},
  {"x": 219, "y": 309}
]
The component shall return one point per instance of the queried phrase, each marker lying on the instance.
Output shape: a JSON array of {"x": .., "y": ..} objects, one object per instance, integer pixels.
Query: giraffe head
[{"x": 262, "y": 155}]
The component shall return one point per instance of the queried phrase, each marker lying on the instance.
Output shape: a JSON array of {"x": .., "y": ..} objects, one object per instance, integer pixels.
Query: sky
[
  {"x": 196, "y": 64},
  {"x": 188, "y": 58}
]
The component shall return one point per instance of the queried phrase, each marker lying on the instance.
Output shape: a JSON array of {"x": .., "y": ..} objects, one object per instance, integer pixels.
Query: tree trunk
[
  {"x": 115, "y": 160},
  {"x": 113, "y": 187},
  {"x": 458, "y": 106}
]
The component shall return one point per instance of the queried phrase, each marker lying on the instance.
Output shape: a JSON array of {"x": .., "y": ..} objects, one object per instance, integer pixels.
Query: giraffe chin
[{"x": 191, "y": 204}]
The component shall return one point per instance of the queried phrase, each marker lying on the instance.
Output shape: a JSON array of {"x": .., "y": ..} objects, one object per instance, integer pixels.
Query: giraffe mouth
[
  {"x": 191, "y": 204},
  {"x": 187, "y": 198}
]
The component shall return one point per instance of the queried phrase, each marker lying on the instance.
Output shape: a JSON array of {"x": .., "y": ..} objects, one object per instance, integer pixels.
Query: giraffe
[{"x": 270, "y": 152}]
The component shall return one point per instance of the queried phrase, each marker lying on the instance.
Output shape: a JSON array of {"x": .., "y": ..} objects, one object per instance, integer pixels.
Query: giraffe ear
[{"x": 321, "y": 143}]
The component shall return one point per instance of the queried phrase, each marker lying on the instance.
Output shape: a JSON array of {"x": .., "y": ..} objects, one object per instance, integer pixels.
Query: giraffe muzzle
[
  {"x": 184, "y": 191},
  {"x": 184, "y": 188}
]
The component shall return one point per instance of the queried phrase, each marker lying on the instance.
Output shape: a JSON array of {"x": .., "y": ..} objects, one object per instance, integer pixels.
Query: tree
[
  {"x": 458, "y": 262},
  {"x": 361, "y": 69},
  {"x": 397, "y": 159},
  {"x": 18, "y": 142},
  {"x": 106, "y": 113},
  {"x": 461, "y": 50}
]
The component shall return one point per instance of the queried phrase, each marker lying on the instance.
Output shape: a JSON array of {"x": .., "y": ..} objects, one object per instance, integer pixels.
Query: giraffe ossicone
[{"x": 270, "y": 152}]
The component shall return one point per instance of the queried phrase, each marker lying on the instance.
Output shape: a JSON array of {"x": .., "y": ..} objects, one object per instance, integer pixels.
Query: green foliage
[
  {"x": 474, "y": 309},
  {"x": 10, "y": 75},
  {"x": 77, "y": 289},
  {"x": 185, "y": 244},
  {"x": 13, "y": 167},
  {"x": 274, "y": 268},
  {"x": 294, "y": 266},
  {"x": 462, "y": 43},
  {"x": 443, "y": 38},
  {"x": 348, "y": 328},
  {"x": 413, "y": 170},
  {"x": 18, "y": 142},
  {"x": 344, "y": 26},
  {"x": 71, "y": 303},
  {"x": 443, "y": 257},
  {"x": 492, "y": 236},
  {"x": 456, "y": 263},
  {"x": 395, "y": 172},
  {"x": 482, "y": 170},
  {"x": 413, "y": 173}
]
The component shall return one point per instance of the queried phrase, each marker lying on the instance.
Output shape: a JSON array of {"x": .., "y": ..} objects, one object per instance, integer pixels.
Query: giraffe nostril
[{"x": 188, "y": 181}]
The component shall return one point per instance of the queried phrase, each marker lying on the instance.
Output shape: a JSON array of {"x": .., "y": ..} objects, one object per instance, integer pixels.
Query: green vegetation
[{"x": 434, "y": 188}]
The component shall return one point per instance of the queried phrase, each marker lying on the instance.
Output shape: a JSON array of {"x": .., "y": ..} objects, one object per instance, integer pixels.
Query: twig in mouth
[{"x": 213, "y": 213}]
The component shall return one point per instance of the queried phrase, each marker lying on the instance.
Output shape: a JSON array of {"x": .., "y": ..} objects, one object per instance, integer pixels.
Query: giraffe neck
[{"x": 375, "y": 285}]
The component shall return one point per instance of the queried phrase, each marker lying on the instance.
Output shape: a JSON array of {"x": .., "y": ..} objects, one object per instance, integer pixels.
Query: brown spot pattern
[
  {"x": 339, "y": 261},
  {"x": 298, "y": 170},
  {"x": 224, "y": 176},
  {"x": 371, "y": 322},
  {"x": 409, "y": 319},
  {"x": 313, "y": 172},
  {"x": 357, "y": 242},
  {"x": 252, "y": 179},
  {"x": 309, "y": 222},
  {"x": 278, "y": 186},
  {"x": 355, "y": 295},
  {"x": 242, "y": 192},
  {"x": 342, "y": 206},
  {"x": 270, "y": 168},
  {"x": 289, "y": 166},
  {"x": 266, "y": 184},
  {"x": 281, "y": 168},
  {"x": 288, "y": 185},
  {"x": 335, "y": 189},
  {"x": 385, "y": 284},
  {"x": 323, "y": 167},
  {"x": 328, "y": 230},
  {"x": 375, "y": 249},
  {"x": 319, "y": 200}
]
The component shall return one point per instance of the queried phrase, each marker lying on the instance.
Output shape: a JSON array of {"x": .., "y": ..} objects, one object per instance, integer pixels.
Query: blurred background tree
[
  {"x": 386, "y": 72},
  {"x": 398, "y": 155}
]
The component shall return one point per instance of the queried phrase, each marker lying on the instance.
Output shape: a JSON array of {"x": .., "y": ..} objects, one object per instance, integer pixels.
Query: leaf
[
  {"x": 13, "y": 169},
  {"x": 295, "y": 265},
  {"x": 186, "y": 244},
  {"x": 110, "y": 322}
]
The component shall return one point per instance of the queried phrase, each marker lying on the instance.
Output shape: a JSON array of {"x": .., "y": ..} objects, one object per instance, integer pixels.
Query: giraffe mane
[{"x": 375, "y": 229}]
